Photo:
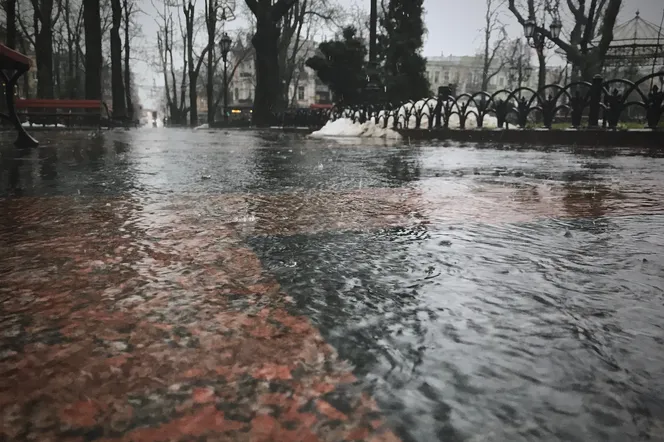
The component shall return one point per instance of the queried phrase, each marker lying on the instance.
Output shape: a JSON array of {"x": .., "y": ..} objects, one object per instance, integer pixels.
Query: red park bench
[
  {"x": 19, "y": 64},
  {"x": 62, "y": 111}
]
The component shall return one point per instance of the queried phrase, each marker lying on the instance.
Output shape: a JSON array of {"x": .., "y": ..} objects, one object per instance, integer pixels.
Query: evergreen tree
[
  {"x": 404, "y": 68},
  {"x": 341, "y": 66}
]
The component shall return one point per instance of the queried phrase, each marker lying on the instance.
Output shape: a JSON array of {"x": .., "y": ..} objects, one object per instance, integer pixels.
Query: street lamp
[
  {"x": 373, "y": 87},
  {"x": 536, "y": 39},
  {"x": 513, "y": 72},
  {"x": 555, "y": 27},
  {"x": 529, "y": 28},
  {"x": 528, "y": 70},
  {"x": 225, "y": 45}
]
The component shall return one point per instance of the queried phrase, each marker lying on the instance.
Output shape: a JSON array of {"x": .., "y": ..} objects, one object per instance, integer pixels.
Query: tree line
[
  {"x": 277, "y": 37},
  {"x": 279, "y": 40},
  {"x": 66, "y": 38},
  {"x": 584, "y": 42},
  {"x": 342, "y": 62},
  {"x": 587, "y": 33}
]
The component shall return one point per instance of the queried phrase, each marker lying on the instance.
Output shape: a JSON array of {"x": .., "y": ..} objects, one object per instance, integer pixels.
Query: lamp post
[
  {"x": 527, "y": 72},
  {"x": 372, "y": 87},
  {"x": 373, "y": 30},
  {"x": 536, "y": 38},
  {"x": 521, "y": 71},
  {"x": 513, "y": 76},
  {"x": 225, "y": 45}
]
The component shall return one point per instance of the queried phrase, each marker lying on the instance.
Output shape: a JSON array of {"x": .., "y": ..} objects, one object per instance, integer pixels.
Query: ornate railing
[
  {"x": 305, "y": 118},
  {"x": 596, "y": 104}
]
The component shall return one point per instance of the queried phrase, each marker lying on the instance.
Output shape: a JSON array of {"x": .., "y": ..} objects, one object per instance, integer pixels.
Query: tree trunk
[
  {"x": 193, "y": 107},
  {"x": 541, "y": 73},
  {"x": 77, "y": 74},
  {"x": 486, "y": 64},
  {"x": 26, "y": 78},
  {"x": 71, "y": 49},
  {"x": 71, "y": 80},
  {"x": 57, "y": 62},
  {"x": 127, "y": 70},
  {"x": 44, "y": 57},
  {"x": 117, "y": 83},
  {"x": 211, "y": 22},
  {"x": 44, "y": 48},
  {"x": 485, "y": 78},
  {"x": 10, "y": 11},
  {"x": 210, "y": 87},
  {"x": 590, "y": 66},
  {"x": 93, "y": 57},
  {"x": 188, "y": 10},
  {"x": 268, "y": 89}
]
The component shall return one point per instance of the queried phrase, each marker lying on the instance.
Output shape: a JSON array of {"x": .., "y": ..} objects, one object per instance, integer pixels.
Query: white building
[
  {"x": 305, "y": 88},
  {"x": 465, "y": 74}
]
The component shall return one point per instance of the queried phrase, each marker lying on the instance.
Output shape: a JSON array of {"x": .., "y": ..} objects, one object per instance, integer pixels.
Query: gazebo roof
[{"x": 636, "y": 41}]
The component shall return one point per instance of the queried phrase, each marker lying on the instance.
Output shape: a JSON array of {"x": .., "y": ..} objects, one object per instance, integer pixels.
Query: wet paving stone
[
  {"x": 320, "y": 290},
  {"x": 144, "y": 339}
]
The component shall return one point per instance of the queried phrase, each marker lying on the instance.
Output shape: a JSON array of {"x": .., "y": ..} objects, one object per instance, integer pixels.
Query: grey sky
[{"x": 453, "y": 27}]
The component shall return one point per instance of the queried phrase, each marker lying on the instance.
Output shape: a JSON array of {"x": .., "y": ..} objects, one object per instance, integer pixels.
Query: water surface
[{"x": 478, "y": 292}]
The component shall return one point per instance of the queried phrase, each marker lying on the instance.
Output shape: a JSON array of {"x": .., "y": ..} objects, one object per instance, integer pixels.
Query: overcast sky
[{"x": 453, "y": 28}]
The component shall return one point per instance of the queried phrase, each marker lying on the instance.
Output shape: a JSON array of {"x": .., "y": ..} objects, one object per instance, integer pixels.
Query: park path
[{"x": 142, "y": 322}]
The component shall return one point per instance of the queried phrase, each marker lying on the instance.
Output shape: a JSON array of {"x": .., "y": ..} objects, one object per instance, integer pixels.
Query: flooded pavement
[{"x": 171, "y": 284}]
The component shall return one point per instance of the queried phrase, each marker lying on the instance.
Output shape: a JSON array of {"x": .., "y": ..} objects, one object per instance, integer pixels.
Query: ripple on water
[
  {"x": 512, "y": 332},
  {"x": 481, "y": 294}
]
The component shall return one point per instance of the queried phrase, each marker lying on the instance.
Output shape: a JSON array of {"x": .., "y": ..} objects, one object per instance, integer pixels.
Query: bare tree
[
  {"x": 9, "y": 6},
  {"x": 298, "y": 28},
  {"x": 238, "y": 55},
  {"x": 591, "y": 33},
  {"x": 211, "y": 11},
  {"x": 491, "y": 45},
  {"x": 128, "y": 8},
  {"x": 117, "y": 80},
  {"x": 43, "y": 20},
  {"x": 268, "y": 16},
  {"x": 516, "y": 59},
  {"x": 93, "y": 50},
  {"x": 166, "y": 45},
  {"x": 73, "y": 21},
  {"x": 188, "y": 9}
]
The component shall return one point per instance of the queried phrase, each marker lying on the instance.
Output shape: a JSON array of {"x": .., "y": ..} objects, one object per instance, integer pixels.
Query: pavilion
[{"x": 637, "y": 48}]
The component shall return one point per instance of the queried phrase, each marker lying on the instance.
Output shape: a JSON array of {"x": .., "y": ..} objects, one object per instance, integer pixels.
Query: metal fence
[{"x": 596, "y": 104}]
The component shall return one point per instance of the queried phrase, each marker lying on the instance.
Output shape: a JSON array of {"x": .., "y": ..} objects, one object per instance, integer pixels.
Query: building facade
[
  {"x": 304, "y": 90},
  {"x": 464, "y": 73}
]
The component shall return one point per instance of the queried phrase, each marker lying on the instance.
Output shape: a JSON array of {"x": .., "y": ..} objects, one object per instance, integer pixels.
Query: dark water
[{"x": 514, "y": 295}]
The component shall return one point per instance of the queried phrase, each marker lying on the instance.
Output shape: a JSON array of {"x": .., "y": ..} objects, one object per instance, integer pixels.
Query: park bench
[
  {"x": 63, "y": 111},
  {"x": 18, "y": 64}
]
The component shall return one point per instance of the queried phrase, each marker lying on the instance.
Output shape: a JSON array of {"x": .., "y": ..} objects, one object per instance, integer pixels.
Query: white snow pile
[
  {"x": 344, "y": 127},
  {"x": 425, "y": 109},
  {"x": 27, "y": 124}
]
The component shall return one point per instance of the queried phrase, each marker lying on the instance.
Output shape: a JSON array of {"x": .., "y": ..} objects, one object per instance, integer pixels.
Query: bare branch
[
  {"x": 25, "y": 30},
  {"x": 280, "y": 8},
  {"x": 608, "y": 24}
]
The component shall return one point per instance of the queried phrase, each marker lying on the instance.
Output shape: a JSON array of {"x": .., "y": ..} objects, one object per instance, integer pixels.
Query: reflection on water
[{"x": 480, "y": 294}]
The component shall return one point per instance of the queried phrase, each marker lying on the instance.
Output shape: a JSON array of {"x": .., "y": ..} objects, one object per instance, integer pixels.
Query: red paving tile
[{"x": 123, "y": 322}]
